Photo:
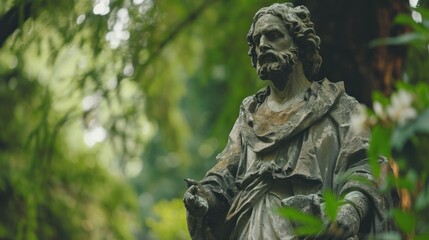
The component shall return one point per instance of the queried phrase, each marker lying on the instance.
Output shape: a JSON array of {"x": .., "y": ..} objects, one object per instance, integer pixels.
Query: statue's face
[{"x": 272, "y": 45}]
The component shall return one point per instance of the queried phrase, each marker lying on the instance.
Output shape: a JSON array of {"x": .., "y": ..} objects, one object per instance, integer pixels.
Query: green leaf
[
  {"x": 298, "y": 216},
  {"x": 423, "y": 236},
  {"x": 422, "y": 91},
  {"x": 331, "y": 205},
  {"x": 402, "y": 134},
  {"x": 309, "y": 224},
  {"x": 379, "y": 97},
  {"x": 406, "y": 19},
  {"x": 406, "y": 38},
  {"x": 422, "y": 200},
  {"x": 406, "y": 183},
  {"x": 379, "y": 146},
  {"x": 308, "y": 230},
  {"x": 406, "y": 221},
  {"x": 421, "y": 124},
  {"x": 423, "y": 11}
]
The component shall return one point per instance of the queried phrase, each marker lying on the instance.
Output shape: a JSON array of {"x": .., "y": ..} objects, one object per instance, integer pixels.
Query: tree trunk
[{"x": 346, "y": 29}]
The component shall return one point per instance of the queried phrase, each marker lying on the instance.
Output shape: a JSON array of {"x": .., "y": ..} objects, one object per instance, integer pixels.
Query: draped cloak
[{"x": 304, "y": 149}]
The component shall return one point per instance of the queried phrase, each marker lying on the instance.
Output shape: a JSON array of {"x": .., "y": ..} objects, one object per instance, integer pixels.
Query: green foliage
[
  {"x": 166, "y": 93},
  {"x": 169, "y": 221},
  {"x": 404, "y": 133},
  {"x": 65, "y": 76},
  {"x": 419, "y": 35},
  {"x": 406, "y": 141},
  {"x": 52, "y": 186},
  {"x": 331, "y": 205},
  {"x": 307, "y": 225},
  {"x": 405, "y": 221},
  {"x": 48, "y": 191},
  {"x": 400, "y": 132},
  {"x": 377, "y": 147}
]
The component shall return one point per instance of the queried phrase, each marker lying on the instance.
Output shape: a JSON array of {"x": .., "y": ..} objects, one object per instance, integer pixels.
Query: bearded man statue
[{"x": 292, "y": 141}]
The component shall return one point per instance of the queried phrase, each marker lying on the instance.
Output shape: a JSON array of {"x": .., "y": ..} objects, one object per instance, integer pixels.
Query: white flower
[
  {"x": 401, "y": 110},
  {"x": 378, "y": 110},
  {"x": 359, "y": 120}
]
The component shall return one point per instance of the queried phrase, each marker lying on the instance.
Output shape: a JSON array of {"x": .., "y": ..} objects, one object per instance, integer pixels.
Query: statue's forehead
[{"x": 268, "y": 20}]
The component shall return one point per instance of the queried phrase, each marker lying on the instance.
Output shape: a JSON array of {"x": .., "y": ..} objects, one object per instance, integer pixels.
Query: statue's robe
[{"x": 304, "y": 149}]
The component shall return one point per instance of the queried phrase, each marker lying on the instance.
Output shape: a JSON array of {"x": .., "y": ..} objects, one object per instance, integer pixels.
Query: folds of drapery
[{"x": 309, "y": 148}]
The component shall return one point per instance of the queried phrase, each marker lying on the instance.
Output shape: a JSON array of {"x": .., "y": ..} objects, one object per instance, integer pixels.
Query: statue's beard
[{"x": 272, "y": 64}]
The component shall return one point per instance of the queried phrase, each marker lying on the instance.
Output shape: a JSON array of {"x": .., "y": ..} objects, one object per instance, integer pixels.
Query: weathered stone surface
[{"x": 291, "y": 141}]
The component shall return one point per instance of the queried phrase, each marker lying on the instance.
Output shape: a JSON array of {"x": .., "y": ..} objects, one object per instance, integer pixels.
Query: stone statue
[{"x": 292, "y": 140}]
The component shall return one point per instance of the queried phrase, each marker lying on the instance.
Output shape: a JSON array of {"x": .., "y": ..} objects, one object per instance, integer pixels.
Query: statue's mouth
[{"x": 267, "y": 57}]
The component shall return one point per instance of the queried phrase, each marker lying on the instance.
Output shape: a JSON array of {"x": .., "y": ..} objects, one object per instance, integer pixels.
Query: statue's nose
[{"x": 263, "y": 44}]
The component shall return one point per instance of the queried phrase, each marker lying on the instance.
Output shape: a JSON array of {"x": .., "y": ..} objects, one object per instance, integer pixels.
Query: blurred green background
[{"x": 107, "y": 105}]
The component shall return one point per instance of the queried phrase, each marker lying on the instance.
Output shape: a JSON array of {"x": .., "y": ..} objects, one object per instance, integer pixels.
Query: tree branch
[{"x": 170, "y": 37}]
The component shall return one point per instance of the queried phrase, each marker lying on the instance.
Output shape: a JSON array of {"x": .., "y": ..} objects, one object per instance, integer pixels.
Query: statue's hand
[
  {"x": 196, "y": 201},
  {"x": 308, "y": 204},
  {"x": 346, "y": 224}
]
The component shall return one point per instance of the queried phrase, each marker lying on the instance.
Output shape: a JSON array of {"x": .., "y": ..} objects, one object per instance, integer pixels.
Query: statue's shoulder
[
  {"x": 343, "y": 112},
  {"x": 348, "y": 103},
  {"x": 253, "y": 100},
  {"x": 345, "y": 107},
  {"x": 247, "y": 101}
]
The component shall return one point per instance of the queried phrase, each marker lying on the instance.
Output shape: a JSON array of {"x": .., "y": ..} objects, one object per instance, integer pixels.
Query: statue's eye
[
  {"x": 273, "y": 35},
  {"x": 256, "y": 39}
]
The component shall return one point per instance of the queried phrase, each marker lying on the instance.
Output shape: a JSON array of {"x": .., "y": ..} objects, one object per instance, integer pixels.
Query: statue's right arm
[
  {"x": 221, "y": 179},
  {"x": 207, "y": 201}
]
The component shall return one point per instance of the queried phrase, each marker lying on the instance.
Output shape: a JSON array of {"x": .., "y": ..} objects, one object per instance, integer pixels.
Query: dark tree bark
[{"x": 346, "y": 29}]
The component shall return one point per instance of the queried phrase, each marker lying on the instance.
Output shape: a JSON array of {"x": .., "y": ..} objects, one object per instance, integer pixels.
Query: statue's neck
[{"x": 287, "y": 87}]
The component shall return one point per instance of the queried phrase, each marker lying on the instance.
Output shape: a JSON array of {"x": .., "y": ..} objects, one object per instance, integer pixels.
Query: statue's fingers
[
  {"x": 335, "y": 231},
  {"x": 189, "y": 199},
  {"x": 289, "y": 202},
  {"x": 297, "y": 200},
  {"x": 346, "y": 230},
  {"x": 193, "y": 189},
  {"x": 347, "y": 233},
  {"x": 339, "y": 231}
]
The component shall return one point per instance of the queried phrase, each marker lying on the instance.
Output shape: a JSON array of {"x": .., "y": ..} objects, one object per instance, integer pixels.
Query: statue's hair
[{"x": 297, "y": 21}]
